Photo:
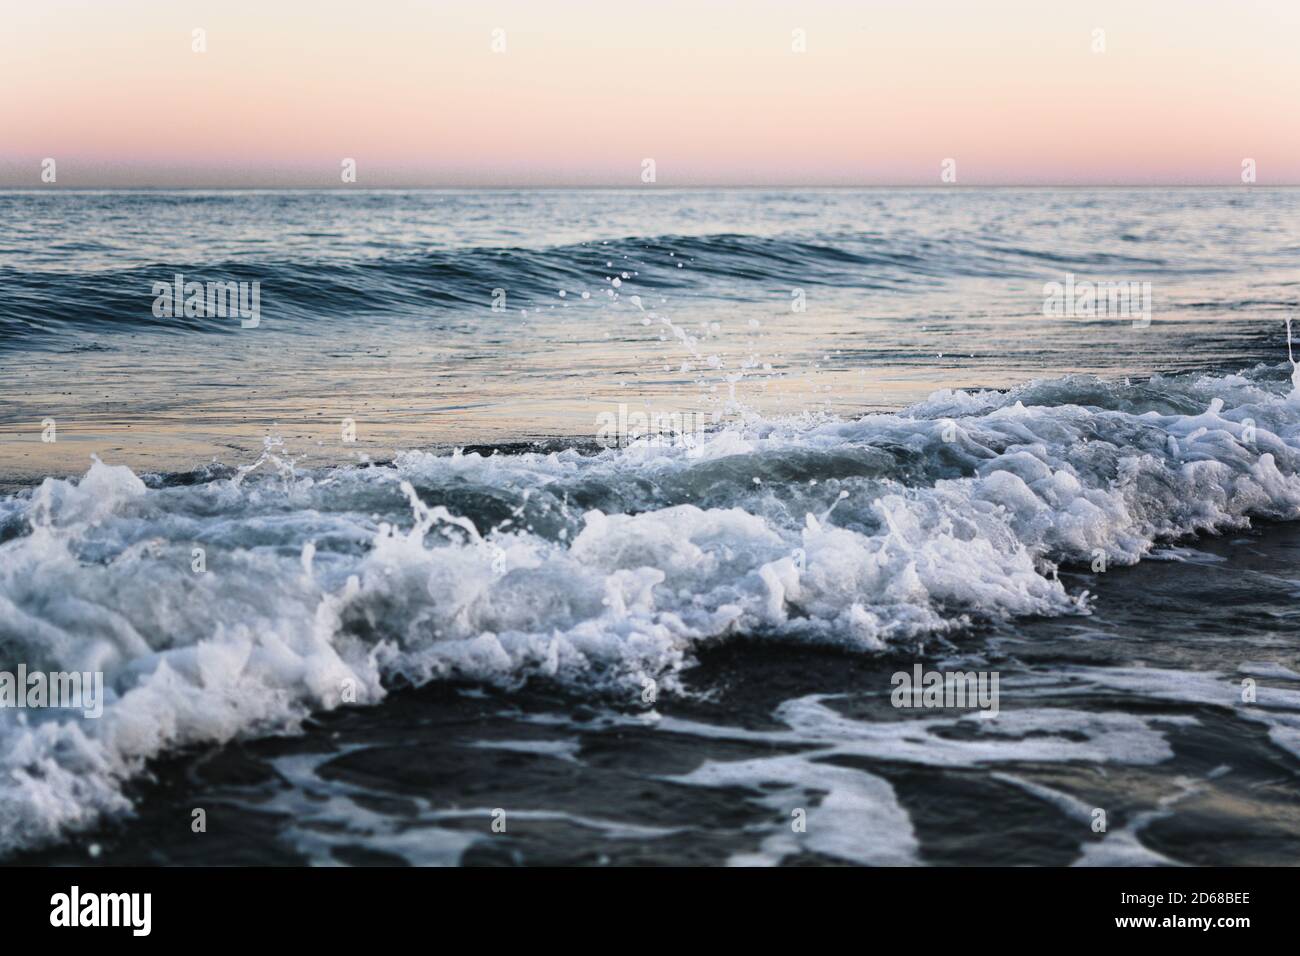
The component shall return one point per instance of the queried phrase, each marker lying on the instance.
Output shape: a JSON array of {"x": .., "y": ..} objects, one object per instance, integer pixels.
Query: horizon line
[{"x": 55, "y": 187}]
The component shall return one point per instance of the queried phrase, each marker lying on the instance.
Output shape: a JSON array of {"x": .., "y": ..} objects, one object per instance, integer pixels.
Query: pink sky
[{"x": 585, "y": 90}]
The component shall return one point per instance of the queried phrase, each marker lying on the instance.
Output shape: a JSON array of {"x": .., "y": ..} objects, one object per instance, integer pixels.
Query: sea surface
[{"x": 369, "y": 582}]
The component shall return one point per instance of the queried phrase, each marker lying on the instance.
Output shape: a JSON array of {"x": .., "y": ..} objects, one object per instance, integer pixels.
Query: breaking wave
[{"x": 596, "y": 571}]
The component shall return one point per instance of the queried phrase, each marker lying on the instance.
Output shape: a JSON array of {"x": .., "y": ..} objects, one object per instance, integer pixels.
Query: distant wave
[
  {"x": 597, "y": 571},
  {"x": 34, "y": 303}
]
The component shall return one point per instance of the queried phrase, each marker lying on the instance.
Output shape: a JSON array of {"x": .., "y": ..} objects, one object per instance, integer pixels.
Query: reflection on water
[{"x": 379, "y": 307}]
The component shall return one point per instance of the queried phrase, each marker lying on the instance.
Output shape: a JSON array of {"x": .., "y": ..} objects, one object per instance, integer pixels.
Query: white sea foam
[{"x": 597, "y": 571}]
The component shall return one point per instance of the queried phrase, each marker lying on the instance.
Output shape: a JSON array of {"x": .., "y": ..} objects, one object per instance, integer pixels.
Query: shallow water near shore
[{"x": 1122, "y": 711}]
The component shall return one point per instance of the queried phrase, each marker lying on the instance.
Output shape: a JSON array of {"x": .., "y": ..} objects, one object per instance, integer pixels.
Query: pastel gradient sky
[{"x": 587, "y": 89}]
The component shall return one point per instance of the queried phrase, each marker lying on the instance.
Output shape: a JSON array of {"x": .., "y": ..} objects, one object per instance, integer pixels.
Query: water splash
[
  {"x": 865, "y": 534},
  {"x": 1295, "y": 369}
]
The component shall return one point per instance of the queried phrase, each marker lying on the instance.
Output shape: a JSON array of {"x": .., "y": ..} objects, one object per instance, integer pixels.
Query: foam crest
[{"x": 596, "y": 571}]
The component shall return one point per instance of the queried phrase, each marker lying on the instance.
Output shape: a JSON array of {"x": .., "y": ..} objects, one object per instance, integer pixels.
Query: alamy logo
[
  {"x": 219, "y": 300},
  {"x": 103, "y": 909},
  {"x": 615, "y": 430},
  {"x": 1083, "y": 298},
  {"x": 939, "y": 689},
  {"x": 74, "y": 690}
]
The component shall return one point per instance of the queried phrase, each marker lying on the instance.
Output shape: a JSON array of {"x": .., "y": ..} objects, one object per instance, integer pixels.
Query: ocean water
[{"x": 430, "y": 598}]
